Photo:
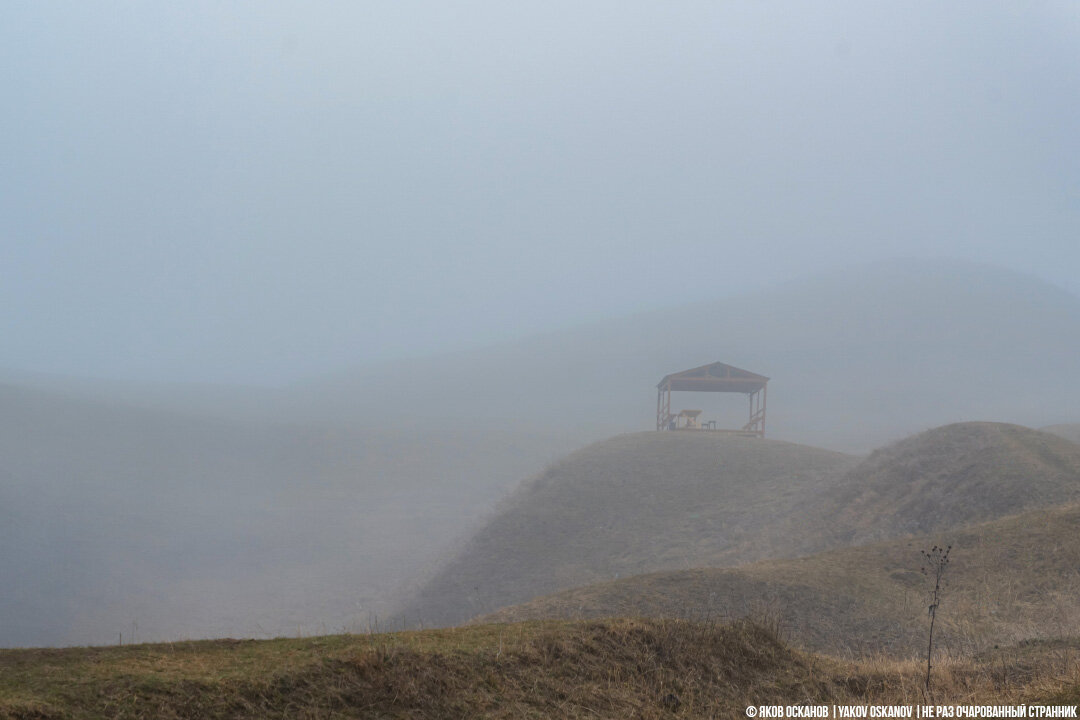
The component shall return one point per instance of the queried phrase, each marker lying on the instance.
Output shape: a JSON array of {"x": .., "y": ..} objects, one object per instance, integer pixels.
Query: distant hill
[
  {"x": 948, "y": 477},
  {"x": 164, "y": 525},
  {"x": 1069, "y": 431},
  {"x": 1008, "y": 580},
  {"x": 857, "y": 357},
  {"x": 631, "y": 504}
]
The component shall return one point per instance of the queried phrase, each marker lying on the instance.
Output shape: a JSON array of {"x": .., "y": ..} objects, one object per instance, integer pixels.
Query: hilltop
[
  {"x": 1009, "y": 580},
  {"x": 632, "y": 504},
  {"x": 857, "y": 357}
]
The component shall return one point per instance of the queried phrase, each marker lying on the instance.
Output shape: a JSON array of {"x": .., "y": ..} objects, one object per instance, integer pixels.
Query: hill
[
  {"x": 1008, "y": 580},
  {"x": 118, "y": 519},
  {"x": 948, "y": 477},
  {"x": 858, "y": 357},
  {"x": 611, "y": 669},
  {"x": 335, "y": 492},
  {"x": 1069, "y": 431},
  {"x": 631, "y": 504},
  {"x": 674, "y": 501}
]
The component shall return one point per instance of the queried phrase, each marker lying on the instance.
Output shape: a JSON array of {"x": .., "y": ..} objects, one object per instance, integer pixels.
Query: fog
[
  {"x": 260, "y": 193},
  {"x": 290, "y": 297}
]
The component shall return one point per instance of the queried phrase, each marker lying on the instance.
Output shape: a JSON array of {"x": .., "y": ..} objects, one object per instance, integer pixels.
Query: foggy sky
[{"x": 257, "y": 193}]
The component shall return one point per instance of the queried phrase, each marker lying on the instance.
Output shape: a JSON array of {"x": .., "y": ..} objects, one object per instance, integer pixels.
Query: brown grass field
[{"x": 623, "y": 668}]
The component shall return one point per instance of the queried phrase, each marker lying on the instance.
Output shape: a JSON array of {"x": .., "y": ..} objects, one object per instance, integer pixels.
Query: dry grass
[
  {"x": 650, "y": 502},
  {"x": 621, "y": 668},
  {"x": 1009, "y": 580},
  {"x": 948, "y": 477},
  {"x": 1030, "y": 673}
]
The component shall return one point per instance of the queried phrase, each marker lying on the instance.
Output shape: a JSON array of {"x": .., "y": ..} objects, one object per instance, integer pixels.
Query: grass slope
[
  {"x": 610, "y": 669},
  {"x": 647, "y": 502},
  {"x": 627, "y": 505},
  {"x": 951, "y": 476},
  {"x": 1009, "y": 579}
]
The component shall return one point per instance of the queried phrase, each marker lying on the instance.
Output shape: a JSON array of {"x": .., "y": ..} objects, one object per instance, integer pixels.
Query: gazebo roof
[{"x": 715, "y": 377}]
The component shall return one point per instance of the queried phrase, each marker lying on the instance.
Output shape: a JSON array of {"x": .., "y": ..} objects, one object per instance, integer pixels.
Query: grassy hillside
[
  {"x": 948, "y": 477},
  {"x": 1009, "y": 580},
  {"x": 628, "y": 505},
  {"x": 673, "y": 501},
  {"x": 612, "y": 669},
  {"x": 609, "y": 669}
]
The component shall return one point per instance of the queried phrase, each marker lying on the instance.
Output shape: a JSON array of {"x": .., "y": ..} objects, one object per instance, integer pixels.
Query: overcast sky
[{"x": 259, "y": 192}]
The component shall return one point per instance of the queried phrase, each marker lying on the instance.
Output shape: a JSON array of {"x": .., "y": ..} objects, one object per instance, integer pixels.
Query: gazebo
[{"x": 715, "y": 377}]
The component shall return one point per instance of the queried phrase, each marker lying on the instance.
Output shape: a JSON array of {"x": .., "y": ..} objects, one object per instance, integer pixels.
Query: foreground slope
[
  {"x": 622, "y": 668},
  {"x": 631, "y": 504},
  {"x": 1008, "y": 580},
  {"x": 611, "y": 669}
]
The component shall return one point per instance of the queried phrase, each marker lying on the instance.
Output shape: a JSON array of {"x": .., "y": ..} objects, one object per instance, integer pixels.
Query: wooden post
[{"x": 764, "y": 399}]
